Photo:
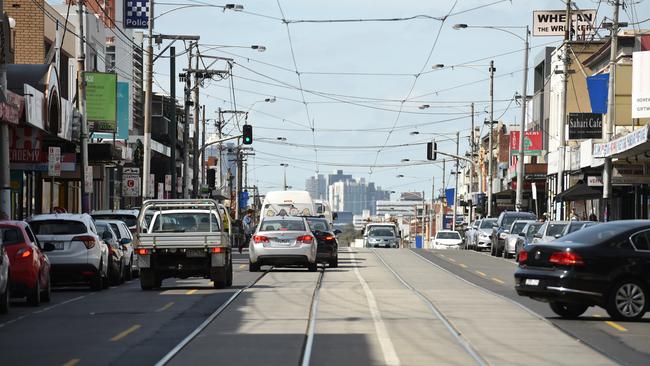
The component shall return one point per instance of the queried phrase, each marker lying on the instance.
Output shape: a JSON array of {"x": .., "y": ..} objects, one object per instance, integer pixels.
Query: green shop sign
[{"x": 101, "y": 101}]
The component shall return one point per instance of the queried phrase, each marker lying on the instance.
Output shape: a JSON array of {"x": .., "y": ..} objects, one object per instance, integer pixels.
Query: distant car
[
  {"x": 30, "y": 267},
  {"x": 526, "y": 236},
  {"x": 447, "y": 239},
  {"x": 483, "y": 237},
  {"x": 550, "y": 231},
  {"x": 510, "y": 246},
  {"x": 500, "y": 229},
  {"x": 75, "y": 251},
  {"x": 577, "y": 225},
  {"x": 125, "y": 239},
  {"x": 5, "y": 292},
  {"x": 328, "y": 245},
  {"x": 283, "y": 241},
  {"x": 604, "y": 265},
  {"x": 116, "y": 260},
  {"x": 381, "y": 236}
]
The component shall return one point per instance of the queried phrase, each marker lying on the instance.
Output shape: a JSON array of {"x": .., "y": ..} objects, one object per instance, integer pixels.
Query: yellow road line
[
  {"x": 242, "y": 266},
  {"x": 481, "y": 273},
  {"x": 167, "y": 306},
  {"x": 452, "y": 260},
  {"x": 125, "y": 333},
  {"x": 616, "y": 326},
  {"x": 497, "y": 280},
  {"x": 190, "y": 292},
  {"x": 462, "y": 265},
  {"x": 72, "y": 362},
  {"x": 442, "y": 255}
]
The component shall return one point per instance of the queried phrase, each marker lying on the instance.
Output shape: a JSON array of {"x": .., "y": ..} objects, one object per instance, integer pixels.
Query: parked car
[
  {"x": 328, "y": 246},
  {"x": 76, "y": 252},
  {"x": 470, "y": 234},
  {"x": 30, "y": 267},
  {"x": 510, "y": 245},
  {"x": 550, "y": 231},
  {"x": 129, "y": 217},
  {"x": 483, "y": 237},
  {"x": 125, "y": 239},
  {"x": 447, "y": 239},
  {"x": 500, "y": 229},
  {"x": 526, "y": 236},
  {"x": 577, "y": 225},
  {"x": 116, "y": 260},
  {"x": 283, "y": 241},
  {"x": 604, "y": 265},
  {"x": 5, "y": 291}
]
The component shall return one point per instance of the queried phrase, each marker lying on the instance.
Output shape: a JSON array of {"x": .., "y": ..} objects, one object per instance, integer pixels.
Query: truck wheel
[
  {"x": 229, "y": 279},
  {"x": 219, "y": 277},
  {"x": 147, "y": 279}
]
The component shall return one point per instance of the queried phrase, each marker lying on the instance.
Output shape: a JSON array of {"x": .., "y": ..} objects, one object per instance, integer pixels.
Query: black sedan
[
  {"x": 328, "y": 246},
  {"x": 606, "y": 265}
]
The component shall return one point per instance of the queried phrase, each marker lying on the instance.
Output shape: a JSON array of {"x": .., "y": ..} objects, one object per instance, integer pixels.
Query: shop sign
[
  {"x": 136, "y": 14},
  {"x": 54, "y": 161},
  {"x": 553, "y": 22},
  {"x": 532, "y": 143},
  {"x": 131, "y": 182},
  {"x": 168, "y": 183},
  {"x": 641, "y": 84},
  {"x": 101, "y": 101},
  {"x": 594, "y": 181},
  {"x": 622, "y": 144},
  {"x": 585, "y": 126}
]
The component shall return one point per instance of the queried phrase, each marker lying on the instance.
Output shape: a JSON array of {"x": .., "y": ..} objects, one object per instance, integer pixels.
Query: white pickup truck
[{"x": 183, "y": 238}]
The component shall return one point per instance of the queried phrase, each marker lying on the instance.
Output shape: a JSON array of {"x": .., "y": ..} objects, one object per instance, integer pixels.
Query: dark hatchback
[
  {"x": 606, "y": 265},
  {"x": 328, "y": 247}
]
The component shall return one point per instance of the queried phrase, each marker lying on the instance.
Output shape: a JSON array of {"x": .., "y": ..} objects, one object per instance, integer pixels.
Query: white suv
[{"x": 76, "y": 252}]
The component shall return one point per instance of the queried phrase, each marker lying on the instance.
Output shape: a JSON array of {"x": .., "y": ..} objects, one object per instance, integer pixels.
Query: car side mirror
[
  {"x": 537, "y": 235},
  {"x": 125, "y": 241},
  {"x": 48, "y": 247},
  {"x": 337, "y": 232},
  {"x": 557, "y": 236},
  {"x": 522, "y": 234}
]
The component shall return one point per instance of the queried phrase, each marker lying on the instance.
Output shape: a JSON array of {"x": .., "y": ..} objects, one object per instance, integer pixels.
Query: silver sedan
[{"x": 283, "y": 241}]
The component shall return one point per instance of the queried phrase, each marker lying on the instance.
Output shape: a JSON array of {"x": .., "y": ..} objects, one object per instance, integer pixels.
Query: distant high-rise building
[
  {"x": 338, "y": 177},
  {"x": 317, "y": 187},
  {"x": 355, "y": 195}
]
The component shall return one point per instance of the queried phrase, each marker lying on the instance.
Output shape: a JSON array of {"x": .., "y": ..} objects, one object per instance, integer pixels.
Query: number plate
[
  {"x": 195, "y": 253},
  {"x": 58, "y": 245},
  {"x": 532, "y": 282}
]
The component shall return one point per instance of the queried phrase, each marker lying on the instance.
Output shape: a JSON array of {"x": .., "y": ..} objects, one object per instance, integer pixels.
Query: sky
[{"x": 349, "y": 94}]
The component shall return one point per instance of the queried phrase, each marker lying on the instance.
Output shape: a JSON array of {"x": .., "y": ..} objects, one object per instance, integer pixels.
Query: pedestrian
[
  {"x": 574, "y": 215},
  {"x": 249, "y": 227},
  {"x": 593, "y": 217}
]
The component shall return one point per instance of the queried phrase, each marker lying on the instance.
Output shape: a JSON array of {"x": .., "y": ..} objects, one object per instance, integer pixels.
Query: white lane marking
[
  {"x": 42, "y": 310},
  {"x": 387, "y": 347}
]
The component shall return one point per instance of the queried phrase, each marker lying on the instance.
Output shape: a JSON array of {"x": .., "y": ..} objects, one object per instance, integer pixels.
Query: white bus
[{"x": 289, "y": 203}]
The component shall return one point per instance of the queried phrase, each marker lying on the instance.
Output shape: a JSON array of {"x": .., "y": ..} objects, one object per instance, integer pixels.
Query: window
[
  {"x": 381, "y": 231},
  {"x": 447, "y": 235},
  {"x": 555, "y": 229},
  {"x": 532, "y": 229},
  {"x": 129, "y": 220},
  {"x": 58, "y": 227},
  {"x": 487, "y": 224},
  {"x": 185, "y": 222},
  {"x": 10, "y": 235},
  {"x": 318, "y": 225},
  {"x": 116, "y": 229},
  {"x": 282, "y": 225},
  {"x": 30, "y": 235},
  {"x": 641, "y": 240},
  {"x": 518, "y": 227}
]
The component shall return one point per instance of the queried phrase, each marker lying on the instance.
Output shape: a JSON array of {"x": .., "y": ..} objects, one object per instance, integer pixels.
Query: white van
[
  {"x": 289, "y": 203},
  {"x": 323, "y": 208}
]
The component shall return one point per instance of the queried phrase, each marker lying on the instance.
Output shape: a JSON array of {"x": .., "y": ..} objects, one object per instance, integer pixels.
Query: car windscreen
[
  {"x": 381, "y": 231},
  {"x": 487, "y": 223},
  {"x": 533, "y": 228},
  {"x": 318, "y": 224},
  {"x": 129, "y": 220},
  {"x": 518, "y": 227},
  {"x": 447, "y": 235},
  {"x": 185, "y": 222},
  {"x": 116, "y": 230},
  {"x": 575, "y": 226},
  {"x": 10, "y": 235},
  {"x": 282, "y": 225},
  {"x": 555, "y": 229},
  {"x": 58, "y": 227}
]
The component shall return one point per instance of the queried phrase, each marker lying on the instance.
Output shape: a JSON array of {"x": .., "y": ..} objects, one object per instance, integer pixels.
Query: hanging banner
[
  {"x": 532, "y": 143},
  {"x": 641, "y": 84},
  {"x": 101, "y": 101},
  {"x": 597, "y": 85},
  {"x": 136, "y": 14},
  {"x": 584, "y": 126}
]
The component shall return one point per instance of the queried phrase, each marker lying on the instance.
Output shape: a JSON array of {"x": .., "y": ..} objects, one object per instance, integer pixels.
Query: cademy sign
[{"x": 553, "y": 22}]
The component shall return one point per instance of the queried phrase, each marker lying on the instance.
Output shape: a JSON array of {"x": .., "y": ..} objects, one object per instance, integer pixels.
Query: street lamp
[
  {"x": 256, "y": 47},
  {"x": 405, "y": 160},
  {"x": 281, "y": 138},
  {"x": 285, "y": 165},
  {"x": 522, "y": 127},
  {"x": 399, "y": 176}
]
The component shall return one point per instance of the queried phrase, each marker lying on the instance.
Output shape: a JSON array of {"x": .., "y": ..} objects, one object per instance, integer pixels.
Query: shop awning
[{"x": 579, "y": 192}]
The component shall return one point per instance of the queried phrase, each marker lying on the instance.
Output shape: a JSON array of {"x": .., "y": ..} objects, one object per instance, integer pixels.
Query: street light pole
[
  {"x": 490, "y": 148},
  {"x": 522, "y": 130},
  {"x": 146, "y": 160},
  {"x": 471, "y": 167},
  {"x": 453, "y": 225},
  {"x": 195, "y": 100},
  {"x": 611, "y": 111},
  {"x": 174, "y": 134},
  {"x": 81, "y": 98}
]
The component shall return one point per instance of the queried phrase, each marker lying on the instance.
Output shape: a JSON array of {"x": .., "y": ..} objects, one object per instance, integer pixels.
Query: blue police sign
[{"x": 136, "y": 13}]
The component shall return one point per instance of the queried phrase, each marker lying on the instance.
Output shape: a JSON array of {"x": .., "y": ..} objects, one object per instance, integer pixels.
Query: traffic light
[
  {"x": 212, "y": 178},
  {"x": 247, "y": 131},
  {"x": 432, "y": 149}
]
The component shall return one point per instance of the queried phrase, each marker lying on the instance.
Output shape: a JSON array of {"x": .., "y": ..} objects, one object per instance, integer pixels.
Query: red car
[{"x": 30, "y": 269}]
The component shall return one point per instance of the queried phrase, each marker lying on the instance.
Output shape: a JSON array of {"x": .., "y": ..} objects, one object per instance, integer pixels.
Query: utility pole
[
  {"x": 471, "y": 167},
  {"x": 490, "y": 148},
  {"x": 146, "y": 161},
  {"x": 219, "y": 165},
  {"x": 444, "y": 192},
  {"x": 424, "y": 208},
  {"x": 522, "y": 130},
  {"x": 203, "y": 151},
  {"x": 453, "y": 224},
  {"x": 186, "y": 129},
  {"x": 195, "y": 99},
  {"x": 81, "y": 102},
  {"x": 433, "y": 205},
  {"x": 5, "y": 168},
  {"x": 174, "y": 134},
  {"x": 240, "y": 159},
  {"x": 611, "y": 111},
  {"x": 563, "y": 108}
]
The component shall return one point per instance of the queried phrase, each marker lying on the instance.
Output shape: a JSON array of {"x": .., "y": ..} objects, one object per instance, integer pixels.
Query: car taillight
[
  {"x": 260, "y": 239},
  {"x": 523, "y": 256},
  {"x": 143, "y": 251},
  {"x": 566, "y": 259},
  {"x": 218, "y": 250},
  {"x": 330, "y": 237},
  {"x": 24, "y": 253},
  {"x": 88, "y": 240},
  {"x": 307, "y": 239}
]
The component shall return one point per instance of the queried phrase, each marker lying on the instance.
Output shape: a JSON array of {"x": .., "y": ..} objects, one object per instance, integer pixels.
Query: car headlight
[{"x": 484, "y": 236}]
